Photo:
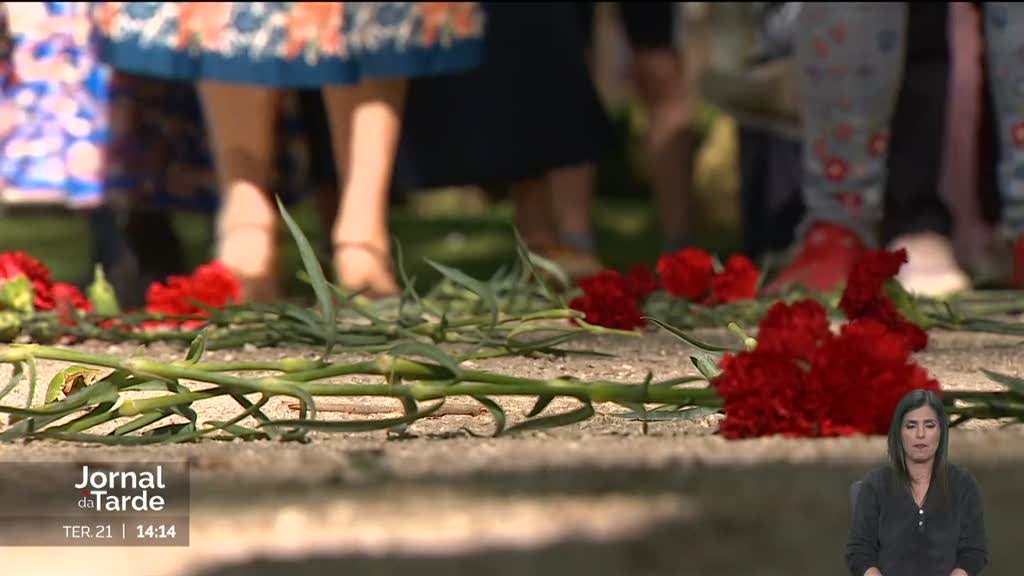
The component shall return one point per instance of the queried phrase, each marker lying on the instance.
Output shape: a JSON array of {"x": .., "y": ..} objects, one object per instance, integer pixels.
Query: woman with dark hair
[{"x": 918, "y": 514}]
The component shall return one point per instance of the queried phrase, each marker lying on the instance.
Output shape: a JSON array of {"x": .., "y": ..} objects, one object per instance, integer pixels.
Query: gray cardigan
[{"x": 889, "y": 531}]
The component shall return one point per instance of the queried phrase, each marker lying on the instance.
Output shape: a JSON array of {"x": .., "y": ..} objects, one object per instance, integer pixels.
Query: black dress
[{"x": 529, "y": 108}]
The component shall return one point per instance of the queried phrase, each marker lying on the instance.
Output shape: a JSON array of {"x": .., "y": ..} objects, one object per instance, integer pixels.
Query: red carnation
[
  {"x": 211, "y": 284},
  {"x": 864, "y": 297},
  {"x": 764, "y": 394},
  {"x": 66, "y": 300},
  {"x": 641, "y": 281},
  {"x": 737, "y": 282},
  {"x": 801, "y": 380},
  {"x": 864, "y": 372},
  {"x": 214, "y": 285},
  {"x": 793, "y": 330},
  {"x": 14, "y": 264},
  {"x": 607, "y": 302},
  {"x": 686, "y": 273}
]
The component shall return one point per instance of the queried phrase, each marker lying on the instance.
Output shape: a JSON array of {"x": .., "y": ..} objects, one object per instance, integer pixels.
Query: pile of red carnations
[
  {"x": 26, "y": 286},
  {"x": 615, "y": 301},
  {"x": 803, "y": 380}
]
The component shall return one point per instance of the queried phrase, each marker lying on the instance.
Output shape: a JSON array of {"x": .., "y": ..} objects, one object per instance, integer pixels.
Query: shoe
[
  {"x": 824, "y": 261},
  {"x": 364, "y": 268},
  {"x": 931, "y": 268}
]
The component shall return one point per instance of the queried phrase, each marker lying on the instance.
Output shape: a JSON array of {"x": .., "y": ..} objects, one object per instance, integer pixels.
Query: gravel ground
[{"x": 598, "y": 497}]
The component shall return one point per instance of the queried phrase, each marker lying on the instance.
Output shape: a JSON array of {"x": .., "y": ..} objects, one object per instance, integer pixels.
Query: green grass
[{"x": 477, "y": 243}]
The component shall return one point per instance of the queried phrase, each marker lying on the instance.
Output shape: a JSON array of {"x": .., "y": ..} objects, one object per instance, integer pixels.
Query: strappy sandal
[{"x": 372, "y": 290}]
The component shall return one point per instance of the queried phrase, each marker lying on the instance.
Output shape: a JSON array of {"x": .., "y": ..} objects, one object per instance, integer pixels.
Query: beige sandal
[{"x": 370, "y": 285}]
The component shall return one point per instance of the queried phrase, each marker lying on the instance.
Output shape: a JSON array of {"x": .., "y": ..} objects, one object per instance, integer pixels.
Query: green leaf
[
  {"x": 431, "y": 352},
  {"x": 497, "y": 412},
  {"x": 906, "y": 304},
  {"x": 706, "y": 365},
  {"x": 690, "y": 339},
  {"x": 69, "y": 380},
  {"x": 19, "y": 371},
  {"x": 473, "y": 285},
  {"x": 542, "y": 403},
  {"x": 1015, "y": 384},
  {"x": 531, "y": 262},
  {"x": 141, "y": 422},
  {"x": 687, "y": 413},
  {"x": 321, "y": 287},
  {"x": 582, "y": 413}
]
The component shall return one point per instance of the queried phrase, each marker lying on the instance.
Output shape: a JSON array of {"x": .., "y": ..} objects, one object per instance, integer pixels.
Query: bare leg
[
  {"x": 661, "y": 84},
  {"x": 240, "y": 121},
  {"x": 533, "y": 214},
  {"x": 572, "y": 190},
  {"x": 365, "y": 126}
]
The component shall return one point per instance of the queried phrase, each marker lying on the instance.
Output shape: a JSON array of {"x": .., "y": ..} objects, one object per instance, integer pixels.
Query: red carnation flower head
[
  {"x": 765, "y": 394},
  {"x": 737, "y": 282},
  {"x": 66, "y": 300},
  {"x": 864, "y": 372},
  {"x": 641, "y": 282},
  {"x": 794, "y": 330},
  {"x": 214, "y": 285},
  {"x": 865, "y": 297},
  {"x": 211, "y": 284},
  {"x": 13, "y": 264},
  {"x": 686, "y": 273},
  {"x": 606, "y": 301}
]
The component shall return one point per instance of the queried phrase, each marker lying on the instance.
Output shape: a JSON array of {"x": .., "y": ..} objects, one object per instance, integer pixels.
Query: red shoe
[
  {"x": 1018, "y": 262},
  {"x": 824, "y": 262}
]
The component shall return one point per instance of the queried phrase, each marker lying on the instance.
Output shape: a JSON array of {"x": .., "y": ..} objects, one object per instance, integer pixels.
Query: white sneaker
[{"x": 931, "y": 268}]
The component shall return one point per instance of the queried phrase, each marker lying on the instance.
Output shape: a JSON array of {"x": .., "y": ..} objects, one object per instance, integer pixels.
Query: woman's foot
[
  {"x": 251, "y": 253},
  {"x": 365, "y": 268}
]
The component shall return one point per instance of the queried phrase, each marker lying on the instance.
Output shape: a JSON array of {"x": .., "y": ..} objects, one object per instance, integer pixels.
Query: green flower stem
[
  {"x": 288, "y": 365},
  {"x": 134, "y": 407}
]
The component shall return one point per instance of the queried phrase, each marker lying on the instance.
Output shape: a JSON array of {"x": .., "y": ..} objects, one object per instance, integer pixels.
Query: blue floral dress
[
  {"x": 53, "y": 106},
  {"x": 290, "y": 44}
]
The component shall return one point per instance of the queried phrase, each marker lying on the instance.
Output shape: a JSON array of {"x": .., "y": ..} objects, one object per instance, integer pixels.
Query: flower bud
[
  {"x": 10, "y": 326},
  {"x": 102, "y": 295},
  {"x": 17, "y": 294}
]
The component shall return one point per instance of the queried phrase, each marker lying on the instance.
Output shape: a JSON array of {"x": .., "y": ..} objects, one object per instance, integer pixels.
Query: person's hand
[
  {"x": 959, "y": 572},
  {"x": 875, "y": 572}
]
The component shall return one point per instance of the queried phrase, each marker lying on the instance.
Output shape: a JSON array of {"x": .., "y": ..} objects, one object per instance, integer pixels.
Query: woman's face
[{"x": 921, "y": 434}]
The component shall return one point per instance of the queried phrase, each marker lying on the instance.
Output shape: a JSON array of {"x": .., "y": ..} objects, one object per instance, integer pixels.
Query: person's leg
[
  {"x": 851, "y": 58},
  {"x": 571, "y": 190},
  {"x": 366, "y": 122},
  {"x": 1004, "y": 26},
  {"x": 241, "y": 131},
  {"x": 534, "y": 217},
  {"x": 660, "y": 80},
  {"x": 916, "y": 217},
  {"x": 973, "y": 236},
  {"x": 321, "y": 165}
]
